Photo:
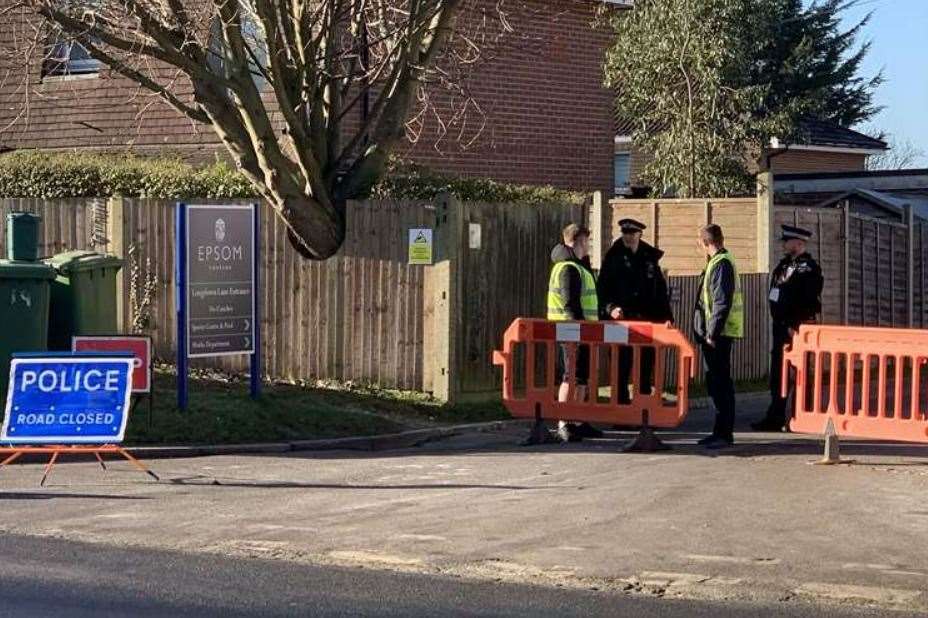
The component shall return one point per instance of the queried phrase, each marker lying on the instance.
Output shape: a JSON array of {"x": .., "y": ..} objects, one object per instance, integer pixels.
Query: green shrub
[{"x": 62, "y": 175}]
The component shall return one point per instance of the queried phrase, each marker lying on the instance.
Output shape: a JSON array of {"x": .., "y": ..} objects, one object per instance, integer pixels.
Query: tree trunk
[{"x": 315, "y": 230}]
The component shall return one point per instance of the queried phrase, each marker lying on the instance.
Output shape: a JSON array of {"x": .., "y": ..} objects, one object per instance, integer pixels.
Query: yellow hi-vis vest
[
  {"x": 734, "y": 325},
  {"x": 589, "y": 302}
]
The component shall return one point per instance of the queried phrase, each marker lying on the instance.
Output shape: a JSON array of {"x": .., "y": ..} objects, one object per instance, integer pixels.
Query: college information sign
[
  {"x": 65, "y": 399},
  {"x": 220, "y": 280}
]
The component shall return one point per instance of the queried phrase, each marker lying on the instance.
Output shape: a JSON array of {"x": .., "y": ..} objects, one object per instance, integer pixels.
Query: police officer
[
  {"x": 795, "y": 298},
  {"x": 631, "y": 286}
]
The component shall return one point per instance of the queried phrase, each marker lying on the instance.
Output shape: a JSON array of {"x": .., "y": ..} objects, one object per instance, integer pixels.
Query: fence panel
[
  {"x": 505, "y": 278},
  {"x": 67, "y": 224},
  {"x": 750, "y": 356}
]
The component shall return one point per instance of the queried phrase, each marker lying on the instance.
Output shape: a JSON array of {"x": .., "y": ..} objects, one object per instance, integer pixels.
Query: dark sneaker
[
  {"x": 717, "y": 444},
  {"x": 768, "y": 424},
  {"x": 567, "y": 432},
  {"x": 585, "y": 430},
  {"x": 707, "y": 440}
]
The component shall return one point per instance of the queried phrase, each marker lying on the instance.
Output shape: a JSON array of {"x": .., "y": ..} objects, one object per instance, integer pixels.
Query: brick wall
[{"x": 548, "y": 118}]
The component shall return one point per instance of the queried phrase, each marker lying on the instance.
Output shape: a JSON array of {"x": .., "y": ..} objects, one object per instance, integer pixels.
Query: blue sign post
[
  {"x": 67, "y": 403},
  {"x": 216, "y": 270}
]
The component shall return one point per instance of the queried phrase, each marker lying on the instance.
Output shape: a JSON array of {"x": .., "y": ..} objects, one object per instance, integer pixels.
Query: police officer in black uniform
[
  {"x": 631, "y": 286},
  {"x": 795, "y": 298}
]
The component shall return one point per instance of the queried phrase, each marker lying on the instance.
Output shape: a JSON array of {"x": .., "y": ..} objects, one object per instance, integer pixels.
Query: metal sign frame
[
  {"x": 254, "y": 288},
  {"x": 181, "y": 290}
]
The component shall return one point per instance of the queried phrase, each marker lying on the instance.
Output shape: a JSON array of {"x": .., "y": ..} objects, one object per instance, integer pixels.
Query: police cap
[
  {"x": 791, "y": 232},
  {"x": 631, "y": 225}
]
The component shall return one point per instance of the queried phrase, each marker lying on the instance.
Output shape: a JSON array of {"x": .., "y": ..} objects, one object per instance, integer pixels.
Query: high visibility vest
[
  {"x": 734, "y": 325},
  {"x": 589, "y": 302}
]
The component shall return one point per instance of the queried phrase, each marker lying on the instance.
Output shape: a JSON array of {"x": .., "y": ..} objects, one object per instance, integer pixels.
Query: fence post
[
  {"x": 444, "y": 311},
  {"x": 116, "y": 235},
  {"x": 910, "y": 265},
  {"x": 600, "y": 228},
  {"x": 846, "y": 263},
  {"x": 765, "y": 225}
]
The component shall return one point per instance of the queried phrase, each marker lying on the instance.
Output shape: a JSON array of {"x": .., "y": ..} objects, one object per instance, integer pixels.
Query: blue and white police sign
[{"x": 68, "y": 399}]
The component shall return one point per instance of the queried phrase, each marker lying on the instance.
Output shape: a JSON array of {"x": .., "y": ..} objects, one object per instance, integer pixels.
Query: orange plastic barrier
[
  {"x": 603, "y": 338},
  {"x": 869, "y": 381}
]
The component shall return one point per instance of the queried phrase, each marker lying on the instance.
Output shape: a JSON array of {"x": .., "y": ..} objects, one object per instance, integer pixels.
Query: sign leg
[
  {"x": 48, "y": 467},
  {"x": 100, "y": 459},
  {"x": 11, "y": 458},
  {"x": 138, "y": 464},
  {"x": 180, "y": 276},
  {"x": 256, "y": 321}
]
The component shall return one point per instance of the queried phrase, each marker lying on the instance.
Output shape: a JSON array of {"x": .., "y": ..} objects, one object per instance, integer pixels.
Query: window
[
  {"x": 255, "y": 41},
  {"x": 68, "y": 57},
  {"x": 623, "y": 172}
]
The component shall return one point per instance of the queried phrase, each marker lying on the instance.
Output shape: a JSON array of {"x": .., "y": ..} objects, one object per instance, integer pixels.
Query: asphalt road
[{"x": 51, "y": 577}]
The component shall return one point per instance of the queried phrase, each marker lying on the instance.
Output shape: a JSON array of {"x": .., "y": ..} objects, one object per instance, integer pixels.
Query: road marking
[
  {"x": 372, "y": 557},
  {"x": 421, "y": 537},
  {"x": 670, "y": 580},
  {"x": 843, "y": 592},
  {"x": 732, "y": 559}
]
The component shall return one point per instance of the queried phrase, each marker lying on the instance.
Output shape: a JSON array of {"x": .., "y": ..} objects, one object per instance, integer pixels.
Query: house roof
[
  {"x": 895, "y": 181},
  {"x": 892, "y": 202},
  {"x": 829, "y": 134},
  {"x": 821, "y": 133}
]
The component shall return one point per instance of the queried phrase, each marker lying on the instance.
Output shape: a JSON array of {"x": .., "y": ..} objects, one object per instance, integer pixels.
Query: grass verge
[{"x": 221, "y": 412}]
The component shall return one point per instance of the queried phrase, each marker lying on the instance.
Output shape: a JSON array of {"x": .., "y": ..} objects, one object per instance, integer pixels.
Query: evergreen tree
[{"x": 710, "y": 82}]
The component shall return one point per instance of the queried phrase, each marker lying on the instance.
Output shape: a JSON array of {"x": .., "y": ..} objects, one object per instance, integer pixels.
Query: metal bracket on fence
[
  {"x": 646, "y": 441},
  {"x": 539, "y": 433}
]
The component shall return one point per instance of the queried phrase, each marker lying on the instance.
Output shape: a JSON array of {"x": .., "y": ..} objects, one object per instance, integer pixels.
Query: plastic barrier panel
[
  {"x": 872, "y": 382},
  {"x": 530, "y": 380}
]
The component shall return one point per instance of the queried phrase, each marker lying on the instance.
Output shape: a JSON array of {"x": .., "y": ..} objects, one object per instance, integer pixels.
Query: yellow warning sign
[{"x": 420, "y": 246}]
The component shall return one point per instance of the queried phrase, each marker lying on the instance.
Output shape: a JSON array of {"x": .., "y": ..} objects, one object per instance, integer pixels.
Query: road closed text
[{"x": 66, "y": 418}]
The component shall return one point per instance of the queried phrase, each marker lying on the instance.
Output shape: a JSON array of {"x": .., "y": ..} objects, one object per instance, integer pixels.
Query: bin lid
[
  {"x": 77, "y": 261},
  {"x": 25, "y": 270}
]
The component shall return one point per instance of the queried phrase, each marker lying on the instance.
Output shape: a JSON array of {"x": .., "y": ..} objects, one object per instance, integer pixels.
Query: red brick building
[{"x": 548, "y": 117}]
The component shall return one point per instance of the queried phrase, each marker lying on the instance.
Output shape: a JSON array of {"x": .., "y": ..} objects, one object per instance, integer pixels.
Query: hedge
[{"x": 63, "y": 175}]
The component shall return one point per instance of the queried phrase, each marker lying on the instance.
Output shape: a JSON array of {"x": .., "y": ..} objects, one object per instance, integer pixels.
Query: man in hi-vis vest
[
  {"x": 718, "y": 321},
  {"x": 572, "y": 296}
]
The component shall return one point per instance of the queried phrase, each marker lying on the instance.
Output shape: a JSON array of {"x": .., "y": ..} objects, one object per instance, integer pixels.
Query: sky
[{"x": 898, "y": 32}]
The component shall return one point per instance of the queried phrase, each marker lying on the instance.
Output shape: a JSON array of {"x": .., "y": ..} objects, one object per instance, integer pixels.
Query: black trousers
[
  {"x": 626, "y": 361},
  {"x": 721, "y": 387},
  {"x": 777, "y": 410}
]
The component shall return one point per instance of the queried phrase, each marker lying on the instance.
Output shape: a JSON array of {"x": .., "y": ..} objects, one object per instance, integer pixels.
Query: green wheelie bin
[
  {"x": 24, "y": 300},
  {"x": 83, "y": 296}
]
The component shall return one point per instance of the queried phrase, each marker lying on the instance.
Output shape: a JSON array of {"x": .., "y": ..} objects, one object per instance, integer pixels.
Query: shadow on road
[
  {"x": 22, "y": 495},
  {"x": 201, "y": 481}
]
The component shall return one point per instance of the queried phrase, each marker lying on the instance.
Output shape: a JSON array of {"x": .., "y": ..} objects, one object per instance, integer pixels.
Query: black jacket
[
  {"x": 570, "y": 284},
  {"x": 634, "y": 282},
  {"x": 722, "y": 293},
  {"x": 796, "y": 284}
]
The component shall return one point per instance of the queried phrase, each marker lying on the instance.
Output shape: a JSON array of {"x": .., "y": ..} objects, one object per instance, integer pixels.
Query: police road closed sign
[
  {"x": 420, "y": 246},
  {"x": 68, "y": 400},
  {"x": 220, "y": 280}
]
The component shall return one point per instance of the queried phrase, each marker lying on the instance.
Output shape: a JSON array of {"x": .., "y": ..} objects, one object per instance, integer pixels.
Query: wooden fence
[
  {"x": 751, "y": 355},
  {"x": 874, "y": 268},
  {"x": 365, "y": 315},
  {"x": 672, "y": 226}
]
